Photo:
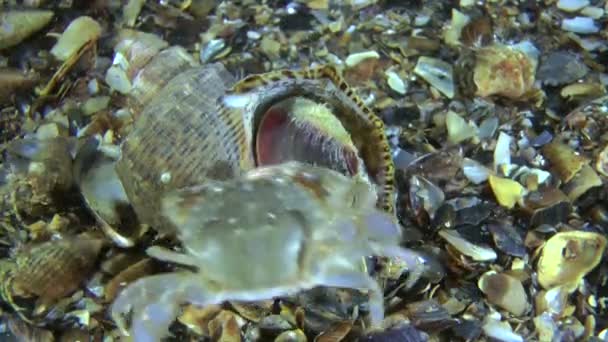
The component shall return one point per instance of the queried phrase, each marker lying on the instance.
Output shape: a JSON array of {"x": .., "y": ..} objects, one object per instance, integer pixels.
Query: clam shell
[{"x": 202, "y": 125}]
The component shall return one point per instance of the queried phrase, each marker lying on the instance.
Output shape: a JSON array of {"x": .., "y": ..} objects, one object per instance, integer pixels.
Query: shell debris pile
[{"x": 311, "y": 170}]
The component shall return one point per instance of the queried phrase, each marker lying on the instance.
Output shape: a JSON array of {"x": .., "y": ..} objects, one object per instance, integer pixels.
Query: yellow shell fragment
[
  {"x": 582, "y": 182},
  {"x": 507, "y": 191},
  {"x": 77, "y": 34},
  {"x": 564, "y": 161},
  {"x": 568, "y": 256}
]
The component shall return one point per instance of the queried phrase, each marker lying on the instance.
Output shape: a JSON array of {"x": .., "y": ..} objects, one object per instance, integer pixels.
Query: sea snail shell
[{"x": 205, "y": 125}]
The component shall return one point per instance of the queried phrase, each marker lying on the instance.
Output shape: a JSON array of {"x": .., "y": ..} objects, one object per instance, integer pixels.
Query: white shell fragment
[
  {"x": 500, "y": 331},
  {"x": 438, "y": 73},
  {"x": 474, "y": 171},
  {"x": 356, "y": 58},
  {"x": 580, "y": 25},
  {"x": 395, "y": 82},
  {"x": 77, "y": 34},
  {"x": 572, "y": 5},
  {"x": 502, "y": 152},
  {"x": 475, "y": 252}
]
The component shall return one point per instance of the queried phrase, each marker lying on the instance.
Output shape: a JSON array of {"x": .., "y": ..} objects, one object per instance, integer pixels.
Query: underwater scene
[{"x": 303, "y": 170}]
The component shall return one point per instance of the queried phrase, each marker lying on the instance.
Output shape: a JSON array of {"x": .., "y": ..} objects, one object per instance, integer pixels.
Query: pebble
[
  {"x": 580, "y": 25},
  {"x": 572, "y": 5}
]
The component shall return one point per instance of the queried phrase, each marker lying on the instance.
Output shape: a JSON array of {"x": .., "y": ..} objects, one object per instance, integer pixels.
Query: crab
[{"x": 273, "y": 232}]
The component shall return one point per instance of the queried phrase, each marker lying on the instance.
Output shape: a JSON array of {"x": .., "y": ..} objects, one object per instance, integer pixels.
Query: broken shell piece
[
  {"x": 508, "y": 192},
  {"x": 14, "y": 81},
  {"x": 475, "y": 171},
  {"x": 402, "y": 332},
  {"x": 425, "y": 195},
  {"x": 502, "y": 151},
  {"x": 564, "y": 161},
  {"x": 104, "y": 194},
  {"x": 582, "y": 182},
  {"x": 451, "y": 34},
  {"x": 137, "y": 48},
  {"x": 583, "y": 90},
  {"x": 546, "y": 327},
  {"x": 197, "y": 318},
  {"x": 15, "y": 26},
  {"x": 505, "y": 291},
  {"x": 500, "y": 331},
  {"x": 458, "y": 129},
  {"x": 561, "y": 67},
  {"x": 507, "y": 239},
  {"x": 553, "y": 301},
  {"x": 429, "y": 315},
  {"x": 131, "y": 10},
  {"x": 601, "y": 165},
  {"x": 356, "y": 58},
  {"x": 438, "y": 73},
  {"x": 395, "y": 82},
  {"x": 503, "y": 70},
  {"x": 476, "y": 252},
  {"x": 291, "y": 336},
  {"x": 133, "y": 272},
  {"x": 226, "y": 326},
  {"x": 337, "y": 332},
  {"x": 568, "y": 256},
  {"x": 548, "y": 206},
  {"x": 80, "y": 31}
]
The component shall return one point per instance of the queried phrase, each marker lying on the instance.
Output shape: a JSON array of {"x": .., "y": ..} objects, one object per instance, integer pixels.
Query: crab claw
[{"x": 154, "y": 303}]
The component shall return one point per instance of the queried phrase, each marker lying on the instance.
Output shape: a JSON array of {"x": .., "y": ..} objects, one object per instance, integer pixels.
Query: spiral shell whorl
[{"x": 180, "y": 140}]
